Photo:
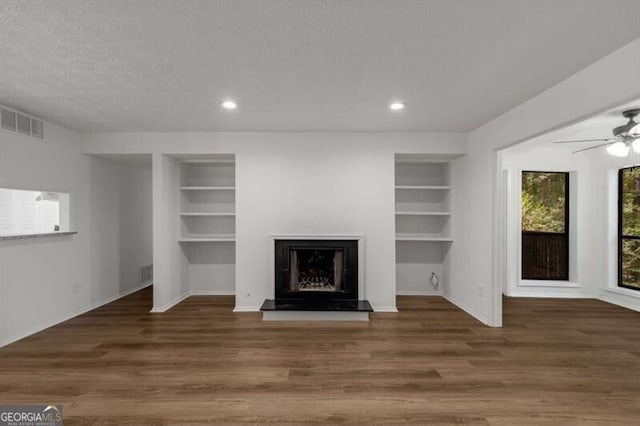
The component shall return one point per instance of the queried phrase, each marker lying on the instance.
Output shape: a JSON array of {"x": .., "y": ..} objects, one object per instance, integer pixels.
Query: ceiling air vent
[
  {"x": 37, "y": 128},
  {"x": 8, "y": 120},
  {"x": 21, "y": 123},
  {"x": 24, "y": 124}
]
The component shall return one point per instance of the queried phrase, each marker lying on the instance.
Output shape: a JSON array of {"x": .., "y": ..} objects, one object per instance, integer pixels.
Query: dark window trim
[
  {"x": 567, "y": 206},
  {"x": 620, "y": 236}
]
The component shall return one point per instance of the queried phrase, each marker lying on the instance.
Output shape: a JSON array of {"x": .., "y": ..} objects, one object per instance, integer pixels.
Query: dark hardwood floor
[{"x": 566, "y": 362}]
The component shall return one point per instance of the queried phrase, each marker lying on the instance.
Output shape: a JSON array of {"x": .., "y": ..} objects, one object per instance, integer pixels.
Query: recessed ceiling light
[
  {"x": 396, "y": 106},
  {"x": 229, "y": 104}
]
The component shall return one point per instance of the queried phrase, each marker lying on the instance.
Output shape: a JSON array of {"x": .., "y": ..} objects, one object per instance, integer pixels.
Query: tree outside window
[
  {"x": 545, "y": 225},
  {"x": 629, "y": 228}
]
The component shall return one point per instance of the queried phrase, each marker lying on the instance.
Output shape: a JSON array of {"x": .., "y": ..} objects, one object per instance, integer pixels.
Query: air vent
[
  {"x": 146, "y": 274},
  {"x": 8, "y": 120},
  {"x": 37, "y": 128},
  {"x": 17, "y": 122},
  {"x": 24, "y": 124}
]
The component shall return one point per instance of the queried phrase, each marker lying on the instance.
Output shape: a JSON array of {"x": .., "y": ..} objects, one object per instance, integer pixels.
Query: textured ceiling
[{"x": 298, "y": 65}]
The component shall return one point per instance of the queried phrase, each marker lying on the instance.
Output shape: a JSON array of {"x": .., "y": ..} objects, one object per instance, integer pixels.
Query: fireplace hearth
[{"x": 316, "y": 275}]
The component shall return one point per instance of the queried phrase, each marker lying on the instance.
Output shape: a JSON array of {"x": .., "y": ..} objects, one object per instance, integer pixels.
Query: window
[
  {"x": 545, "y": 226},
  {"x": 629, "y": 228},
  {"x": 33, "y": 212}
]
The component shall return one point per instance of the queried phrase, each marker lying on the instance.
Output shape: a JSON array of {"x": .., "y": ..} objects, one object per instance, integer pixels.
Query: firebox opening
[{"x": 316, "y": 269}]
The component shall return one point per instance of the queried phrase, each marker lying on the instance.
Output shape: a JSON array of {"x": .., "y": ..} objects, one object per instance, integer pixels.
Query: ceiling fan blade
[
  {"x": 591, "y": 147},
  {"x": 588, "y": 140}
]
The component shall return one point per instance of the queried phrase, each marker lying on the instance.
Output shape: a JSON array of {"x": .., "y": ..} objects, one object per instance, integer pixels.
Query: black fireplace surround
[{"x": 316, "y": 274}]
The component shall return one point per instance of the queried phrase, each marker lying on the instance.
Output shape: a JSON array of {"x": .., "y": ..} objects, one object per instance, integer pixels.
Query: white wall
[
  {"x": 136, "y": 224},
  {"x": 315, "y": 188},
  {"x": 104, "y": 208},
  {"x": 169, "y": 261},
  {"x": 286, "y": 183},
  {"x": 583, "y": 265},
  {"x": 38, "y": 276},
  {"x": 478, "y": 264},
  {"x": 47, "y": 280}
]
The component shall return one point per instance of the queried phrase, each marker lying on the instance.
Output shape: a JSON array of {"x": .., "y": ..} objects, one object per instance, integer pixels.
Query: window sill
[
  {"x": 548, "y": 283},
  {"x": 38, "y": 235}
]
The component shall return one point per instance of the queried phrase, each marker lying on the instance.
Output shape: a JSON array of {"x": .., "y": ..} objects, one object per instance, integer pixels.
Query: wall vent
[
  {"x": 37, "y": 128},
  {"x": 15, "y": 121},
  {"x": 24, "y": 124},
  {"x": 8, "y": 120},
  {"x": 146, "y": 274}
]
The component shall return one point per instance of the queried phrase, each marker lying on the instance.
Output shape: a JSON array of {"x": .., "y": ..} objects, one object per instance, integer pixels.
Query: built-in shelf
[
  {"x": 197, "y": 214},
  {"x": 424, "y": 187},
  {"x": 423, "y": 195},
  {"x": 428, "y": 159},
  {"x": 423, "y": 214},
  {"x": 209, "y": 162},
  {"x": 207, "y": 188},
  {"x": 37, "y": 235},
  {"x": 207, "y": 222},
  {"x": 207, "y": 238},
  {"x": 422, "y": 237}
]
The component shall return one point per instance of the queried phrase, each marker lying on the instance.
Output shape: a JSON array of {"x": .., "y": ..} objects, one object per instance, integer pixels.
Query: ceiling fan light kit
[
  {"x": 626, "y": 137},
  {"x": 618, "y": 149}
]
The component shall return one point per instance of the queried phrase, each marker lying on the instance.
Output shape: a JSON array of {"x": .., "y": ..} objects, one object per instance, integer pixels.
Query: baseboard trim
[
  {"x": 64, "y": 318},
  {"x": 550, "y": 295},
  {"x": 468, "y": 310},
  {"x": 609, "y": 297},
  {"x": 166, "y": 307},
  {"x": 213, "y": 293},
  {"x": 418, "y": 293}
]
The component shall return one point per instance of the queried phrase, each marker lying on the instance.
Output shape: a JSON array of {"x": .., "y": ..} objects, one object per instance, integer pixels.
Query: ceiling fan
[{"x": 625, "y": 137}]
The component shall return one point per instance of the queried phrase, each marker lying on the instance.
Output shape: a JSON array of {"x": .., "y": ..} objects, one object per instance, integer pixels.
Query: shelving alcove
[
  {"x": 207, "y": 222},
  {"x": 423, "y": 223}
]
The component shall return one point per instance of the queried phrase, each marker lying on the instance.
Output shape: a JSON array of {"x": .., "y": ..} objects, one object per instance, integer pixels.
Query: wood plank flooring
[{"x": 565, "y": 362}]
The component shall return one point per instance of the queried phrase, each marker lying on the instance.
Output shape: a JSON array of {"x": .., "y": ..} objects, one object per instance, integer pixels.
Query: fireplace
[{"x": 316, "y": 272}]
